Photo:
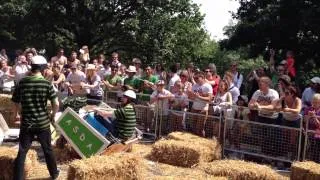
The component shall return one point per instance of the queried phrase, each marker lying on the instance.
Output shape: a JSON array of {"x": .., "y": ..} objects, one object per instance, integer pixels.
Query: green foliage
[
  {"x": 163, "y": 31},
  {"x": 279, "y": 24}
]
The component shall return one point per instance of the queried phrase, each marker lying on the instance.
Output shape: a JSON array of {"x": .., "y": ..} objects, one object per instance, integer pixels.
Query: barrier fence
[
  {"x": 268, "y": 141},
  {"x": 244, "y": 137}
]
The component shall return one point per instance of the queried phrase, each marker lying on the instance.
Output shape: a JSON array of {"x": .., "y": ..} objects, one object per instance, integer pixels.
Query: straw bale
[
  {"x": 118, "y": 166},
  {"x": 159, "y": 171},
  {"x": 198, "y": 141},
  {"x": 181, "y": 153},
  {"x": 7, "y": 157},
  {"x": 65, "y": 154},
  {"x": 5, "y": 101},
  {"x": 305, "y": 171},
  {"x": 240, "y": 170},
  {"x": 141, "y": 150}
]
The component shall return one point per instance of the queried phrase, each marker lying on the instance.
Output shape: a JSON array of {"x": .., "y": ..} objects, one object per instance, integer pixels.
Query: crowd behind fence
[
  {"x": 243, "y": 137},
  {"x": 249, "y": 139}
]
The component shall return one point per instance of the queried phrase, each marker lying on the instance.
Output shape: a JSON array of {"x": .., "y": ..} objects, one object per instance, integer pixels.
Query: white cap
[
  {"x": 132, "y": 69},
  {"x": 39, "y": 60},
  {"x": 130, "y": 94},
  {"x": 91, "y": 67},
  {"x": 315, "y": 80}
]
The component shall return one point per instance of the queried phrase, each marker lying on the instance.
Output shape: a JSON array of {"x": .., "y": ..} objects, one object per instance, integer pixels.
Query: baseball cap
[{"x": 315, "y": 80}]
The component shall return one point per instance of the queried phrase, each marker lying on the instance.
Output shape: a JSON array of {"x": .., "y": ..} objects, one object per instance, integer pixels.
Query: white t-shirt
[
  {"x": 75, "y": 79},
  {"x": 235, "y": 93},
  {"x": 164, "y": 103},
  {"x": 266, "y": 99},
  {"x": 173, "y": 80},
  {"x": 204, "y": 89},
  {"x": 21, "y": 70}
]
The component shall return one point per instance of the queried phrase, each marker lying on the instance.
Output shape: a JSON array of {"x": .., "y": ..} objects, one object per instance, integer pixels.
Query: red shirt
[
  {"x": 290, "y": 66},
  {"x": 215, "y": 87}
]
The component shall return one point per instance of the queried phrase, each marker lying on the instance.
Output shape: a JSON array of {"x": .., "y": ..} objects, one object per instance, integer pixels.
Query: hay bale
[
  {"x": 159, "y": 171},
  {"x": 305, "y": 171},
  {"x": 240, "y": 170},
  {"x": 198, "y": 141},
  {"x": 141, "y": 150},
  {"x": 65, "y": 154},
  {"x": 118, "y": 166},
  {"x": 181, "y": 153},
  {"x": 7, "y": 157}
]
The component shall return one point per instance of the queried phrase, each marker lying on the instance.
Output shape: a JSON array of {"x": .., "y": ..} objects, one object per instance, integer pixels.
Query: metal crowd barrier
[
  {"x": 262, "y": 140},
  {"x": 196, "y": 123},
  {"x": 311, "y": 145}
]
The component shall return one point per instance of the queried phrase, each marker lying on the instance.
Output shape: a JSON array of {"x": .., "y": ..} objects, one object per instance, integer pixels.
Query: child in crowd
[{"x": 179, "y": 103}]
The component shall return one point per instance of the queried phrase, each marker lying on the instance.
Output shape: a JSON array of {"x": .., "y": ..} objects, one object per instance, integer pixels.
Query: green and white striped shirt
[
  {"x": 126, "y": 121},
  {"x": 33, "y": 93}
]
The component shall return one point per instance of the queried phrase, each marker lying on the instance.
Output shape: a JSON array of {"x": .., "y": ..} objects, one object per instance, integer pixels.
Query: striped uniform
[
  {"x": 33, "y": 92},
  {"x": 125, "y": 121}
]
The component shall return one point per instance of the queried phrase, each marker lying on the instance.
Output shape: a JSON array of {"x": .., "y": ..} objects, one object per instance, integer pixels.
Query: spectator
[
  {"x": 275, "y": 75},
  {"x": 74, "y": 81},
  {"x": 215, "y": 77},
  {"x": 122, "y": 72},
  {"x": 93, "y": 85},
  {"x": 308, "y": 93},
  {"x": 237, "y": 77},
  {"x": 160, "y": 72},
  {"x": 290, "y": 64},
  {"x": 209, "y": 78},
  {"x": 113, "y": 81},
  {"x": 283, "y": 83},
  {"x": 101, "y": 59},
  {"x": 265, "y": 100},
  {"x": 312, "y": 118},
  {"x": 179, "y": 103},
  {"x": 149, "y": 81},
  {"x": 21, "y": 68},
  {"x": 223, "y": 99},
  {"x": 191, "y": 71},
  {"x": 73, "y": 59},
  {"x": 160, "y": 97},
  {"x": 254, "y": 77},
  {"x": 6, "y": 76},
  {"x": 60, "y": 58},
  {"x": 187, "y": 86},
  {"x": 84, "y": 55},
  {"x": 234, "y": 90},
  {"x": 241, "y": 111},
  {"x": 131, "y": 80},
  {"x": 201, "y": 95},
  {"x": 312, "y": 113},
  {"x": 29, "y": 53},
  {"x": 137, "y": 63},
  {"x": 3, "y": 55},
  {"x": 58, "y": 78},
  {"x": 174, "y": 77},
  {"x": 291, "y": 105},
  {"x": 115, "y": 59}
]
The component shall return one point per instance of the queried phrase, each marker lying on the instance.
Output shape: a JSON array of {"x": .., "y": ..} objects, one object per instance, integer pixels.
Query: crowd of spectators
[{"x": 273, "y": 97}]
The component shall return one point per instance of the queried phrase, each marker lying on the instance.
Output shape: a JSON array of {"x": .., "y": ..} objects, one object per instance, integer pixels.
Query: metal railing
[{"x": 257, "y": 139}]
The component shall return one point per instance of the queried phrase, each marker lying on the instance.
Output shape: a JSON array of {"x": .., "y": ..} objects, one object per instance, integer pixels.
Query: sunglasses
[{"x": 207, "y": 71}]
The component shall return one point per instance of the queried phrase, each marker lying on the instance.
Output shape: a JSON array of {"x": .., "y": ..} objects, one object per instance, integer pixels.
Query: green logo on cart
[{"x": 83, "y": 138}]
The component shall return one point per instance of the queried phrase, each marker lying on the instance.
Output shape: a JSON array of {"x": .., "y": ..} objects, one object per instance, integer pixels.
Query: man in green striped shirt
[
  {"x": 123, "y": 127},
  {"x": 30, "y": 98}
]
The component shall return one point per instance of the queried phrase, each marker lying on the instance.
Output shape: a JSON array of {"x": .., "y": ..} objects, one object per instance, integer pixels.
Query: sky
[{"x": 217, "y": 15}]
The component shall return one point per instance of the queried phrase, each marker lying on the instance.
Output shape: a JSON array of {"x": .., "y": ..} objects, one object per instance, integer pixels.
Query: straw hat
[
  {"x": 131, "y": 69},
  {"x": 91, "y": 67}
]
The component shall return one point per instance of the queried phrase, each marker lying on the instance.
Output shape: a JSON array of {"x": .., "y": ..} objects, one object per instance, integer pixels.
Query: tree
[
  {"x": 156, "y": 31},
  {"x": 279, "y": 24}
]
